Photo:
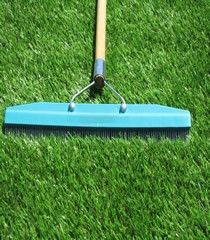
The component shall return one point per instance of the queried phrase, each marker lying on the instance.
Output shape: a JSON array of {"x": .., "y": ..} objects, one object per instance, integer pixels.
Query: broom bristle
[{"x": 159, "y": 133}]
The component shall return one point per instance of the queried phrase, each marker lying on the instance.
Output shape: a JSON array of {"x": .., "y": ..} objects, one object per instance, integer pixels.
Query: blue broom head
[{"x": 98, "y": 117}]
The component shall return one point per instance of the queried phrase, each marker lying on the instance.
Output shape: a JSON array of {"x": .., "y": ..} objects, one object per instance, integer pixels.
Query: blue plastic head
[{"x": 98, "y": 116}]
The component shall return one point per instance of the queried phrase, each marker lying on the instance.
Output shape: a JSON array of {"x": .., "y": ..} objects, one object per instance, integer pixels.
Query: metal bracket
[{"x": 123, "y": 105}]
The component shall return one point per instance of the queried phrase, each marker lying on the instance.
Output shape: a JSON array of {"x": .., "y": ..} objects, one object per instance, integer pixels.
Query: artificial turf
[{"x": 91, "y": 188}]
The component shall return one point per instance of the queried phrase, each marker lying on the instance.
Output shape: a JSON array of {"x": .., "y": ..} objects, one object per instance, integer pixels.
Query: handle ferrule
[{"x": 99, "y": 73}]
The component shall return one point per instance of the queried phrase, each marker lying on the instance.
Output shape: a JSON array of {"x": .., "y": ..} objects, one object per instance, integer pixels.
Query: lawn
[{"x": 91, "y": 188}]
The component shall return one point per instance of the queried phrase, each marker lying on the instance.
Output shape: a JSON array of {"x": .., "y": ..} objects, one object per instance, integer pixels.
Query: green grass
[{"x": 54, "y": 188}]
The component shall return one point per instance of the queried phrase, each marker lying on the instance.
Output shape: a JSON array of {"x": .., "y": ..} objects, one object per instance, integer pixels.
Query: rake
[{"x": 104, "y": 120}]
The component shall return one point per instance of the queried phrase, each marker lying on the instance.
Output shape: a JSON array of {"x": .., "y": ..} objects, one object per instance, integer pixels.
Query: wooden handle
[{"x": 101, "y": 29}]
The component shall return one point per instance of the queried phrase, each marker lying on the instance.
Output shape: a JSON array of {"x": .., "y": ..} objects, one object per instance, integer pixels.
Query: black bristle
[{"x": 159, "y": 133}]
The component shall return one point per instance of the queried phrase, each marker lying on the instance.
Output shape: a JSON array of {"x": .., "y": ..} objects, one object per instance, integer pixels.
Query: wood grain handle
[{"x": 101, "y": 30}]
